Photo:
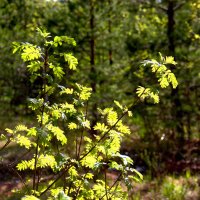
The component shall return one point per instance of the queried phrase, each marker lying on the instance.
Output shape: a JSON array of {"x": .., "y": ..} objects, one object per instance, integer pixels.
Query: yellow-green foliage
[
  {"x": 164, "y": 75},
  {"x": 58, "y": 133},
  {"x": 66, "y": 124},
  {"x": 72, "y": 61},
  {"x": 43, "y": 161}
]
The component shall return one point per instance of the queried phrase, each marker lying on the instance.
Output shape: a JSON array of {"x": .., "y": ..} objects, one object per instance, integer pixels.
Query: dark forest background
[{"x": 113, "y": 38}]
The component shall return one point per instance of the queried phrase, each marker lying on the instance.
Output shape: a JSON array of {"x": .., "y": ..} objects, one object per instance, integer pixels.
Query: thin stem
[
  {"x": 105, "y": 177},
  {"x": 6, "y": 144},
  {"x": 61, "y": 175},
  {"x": 70, "y": 186},
  {"x": 35, "y": 164},
  {"x": 79, "y": 148},
  {"x": 115, "y": 181},
  {"x": 77, "y": 192},
  {"x": 44, "y": 94},
  {"x": 76, "y": 146},
  {"x": 18, "y": 159},
  {"x": 113, "y": 193},
  {"x": 38, "y": 179},
  {"x": 111, "y": 186},
  {"x": 15, "y": 171}
]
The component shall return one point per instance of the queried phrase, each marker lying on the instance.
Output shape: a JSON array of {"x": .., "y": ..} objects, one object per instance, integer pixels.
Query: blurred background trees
[{"x": 113, "y": 37}]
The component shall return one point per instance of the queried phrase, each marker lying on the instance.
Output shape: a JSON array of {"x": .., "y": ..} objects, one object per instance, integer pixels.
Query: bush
[{"x": 60, "y": 144}]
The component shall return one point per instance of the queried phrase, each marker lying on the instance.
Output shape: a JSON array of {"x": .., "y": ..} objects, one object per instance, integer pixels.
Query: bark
[
  {"x": 177, "y": 114},
  {"x": 110, "y": 31},
  {"x": 92, "y": 64}
]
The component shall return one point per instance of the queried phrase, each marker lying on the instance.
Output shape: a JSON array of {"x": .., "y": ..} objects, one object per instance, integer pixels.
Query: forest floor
[
  {"x": 179, "y": 187},
  {"x": 170, "y": 185}
]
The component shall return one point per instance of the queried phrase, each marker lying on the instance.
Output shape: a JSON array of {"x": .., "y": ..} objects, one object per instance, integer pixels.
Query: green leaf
[
  {"x": 34, "y": 66},
  {"x": 138, "y": 173},
  {"x": 68, "y": 108},
  {"x": 72, "y": 61},
  {"x": 10, "y": 131},
  {"x": 58, "y": 40},
  {"x": 86, "y": 124},
  {"x": 155, "y": 97},
  {"x": 126, "y": 159},
  {"x": 170, "y": 60},
  {"x": 89, "y": 161},
  {"x": 73, "y": 172},
  {"x": 89, "y": 176},
  {"x": 32, "y": 132},
  {"x": 58, "y": 72},
  {"x": 118, "y": 104},
  {"x": 46, "y": 161},
  {"x": 101, "y": 127},
  {"x": 43, "y": 33},
  {"x": 85, "y": 92},
  {"x": 72, "y": 125},
  {"x": 68, "y": 40},
  {"x": 58, "y": 133},
  {"x": 163, "y": 82},
  {"x": 30, "y": 52},
  {"x": 56, "y": 113},
  {"x": 114, "y": 143},
  {"x": 112, "y": 118},
  {"x": 21, "y": 127},
  {"x": 23, "y": 141},
  {"x": 140, "y": 91},
  {"x": 16, "y": 47},
  {"x": 171, "y": 77},
  {"x": 123, "y": 128},
  {"x": 44, "y": 118},
  {"x": 24, "y": 164}
]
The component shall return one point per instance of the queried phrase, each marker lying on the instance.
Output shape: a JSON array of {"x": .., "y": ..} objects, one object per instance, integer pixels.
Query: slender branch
[
  {"x": 76, "y": 146},
  {"x": 70, "y": 186},
  {"x": 113, "y": 193},
  {"x": 179, "y": 6},
  {"x": 115, "y": 181},
  {"x": 77, "y": 192},
  {"x": 79, "y": 148},
  {"x": 59, "y": 176},
  {"x": 105, "y": 177},
  {"x": 20, "y": 177},
  {"x": 38, "y": 179},
  {"x": 35, "y": 164},
  {"x": 111, "y": 186},
  {"x": 44, "y": 94},
  {"x": 162, "y": 8},
  {"x": 6, "y": 144},
  {"x": 18, "y": 159}
]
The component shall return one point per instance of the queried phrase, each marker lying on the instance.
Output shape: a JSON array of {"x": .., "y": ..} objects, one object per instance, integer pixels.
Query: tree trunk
[
  {"x": 92, "y": 64},
  {"x": 177, "y": 114},
  {"x": 110, "y": 31}
]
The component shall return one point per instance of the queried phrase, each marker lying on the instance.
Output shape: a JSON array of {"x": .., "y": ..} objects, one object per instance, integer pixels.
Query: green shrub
[{"x": 60, "y": 143}]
